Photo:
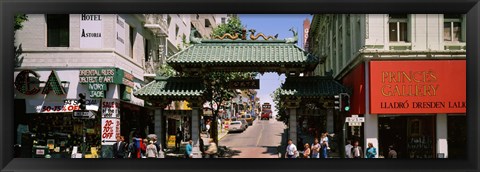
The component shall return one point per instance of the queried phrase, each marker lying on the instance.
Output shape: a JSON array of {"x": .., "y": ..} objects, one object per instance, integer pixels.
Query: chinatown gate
[{"x": 240, "y": 55}]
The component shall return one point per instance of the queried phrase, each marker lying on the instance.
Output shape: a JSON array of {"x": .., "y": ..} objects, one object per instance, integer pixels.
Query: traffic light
[
  {"x": 82, "y": 102},
  {"x": 346, "y": 102},
  {"x": 338, "y": 102}
]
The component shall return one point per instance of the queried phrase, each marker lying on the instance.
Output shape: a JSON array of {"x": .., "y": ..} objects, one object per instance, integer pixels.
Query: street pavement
[{"x": 260, "y": 140}]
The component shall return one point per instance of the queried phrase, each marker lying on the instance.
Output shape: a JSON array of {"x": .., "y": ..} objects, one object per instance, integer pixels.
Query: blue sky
[{"x": 272, "y": 24}]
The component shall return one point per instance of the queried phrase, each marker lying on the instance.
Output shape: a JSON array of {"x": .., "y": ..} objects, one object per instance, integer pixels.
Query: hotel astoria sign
[{"x": 409, "y": 87}]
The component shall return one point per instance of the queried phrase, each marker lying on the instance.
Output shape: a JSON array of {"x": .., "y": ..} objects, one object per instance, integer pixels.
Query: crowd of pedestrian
[
  {"x": 320, "y": 149},
  {"x": 137, "y": 148}
]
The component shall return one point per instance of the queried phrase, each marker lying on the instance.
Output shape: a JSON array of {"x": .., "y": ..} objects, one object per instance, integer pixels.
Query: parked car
[
  {"x": 244, "y": 122},
  {"x": 248, "y": 118},
  {"x": 236, "y": 126}
]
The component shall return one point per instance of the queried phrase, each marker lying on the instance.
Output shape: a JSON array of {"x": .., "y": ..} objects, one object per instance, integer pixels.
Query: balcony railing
[
  {"x": 152, "y": 66},
  {"x": 157, "y": 23}
]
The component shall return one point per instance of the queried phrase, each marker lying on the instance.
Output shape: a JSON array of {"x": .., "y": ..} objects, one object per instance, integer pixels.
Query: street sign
[
  {"x": 83, "y": 114},
  {"x": 354, "y": 124},
  {"x": 351, "y": 119},
  {"x": 355, "y": 120}
]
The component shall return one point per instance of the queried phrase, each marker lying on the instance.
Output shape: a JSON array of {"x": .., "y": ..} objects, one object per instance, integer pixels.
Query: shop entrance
[
  {"x": 457, "y": 136},
  {"x": 411, "y": 136},
  {"x": 392, "y": 132}
]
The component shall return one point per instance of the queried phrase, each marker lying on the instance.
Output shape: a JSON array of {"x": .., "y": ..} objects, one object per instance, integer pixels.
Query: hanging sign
[
  {"x": 110, "y": 130},
  {"x": 110, "y": 108},
  {"x": 127, "y": 93},
  {"x": 97, "y": 94},
  {"x": 91, "y": 31},
  {"x": 68, "y": 105},
  {"x": 27, "y": 82},
  {"x": 98, "y": 87},
  {"x": 101, "y": 75},
  {"x": 120, "y": 35}
]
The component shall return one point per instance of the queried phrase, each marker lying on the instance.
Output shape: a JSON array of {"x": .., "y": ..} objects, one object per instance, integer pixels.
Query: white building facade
[
  {"x": 379, "y": 57},
  {"x": 101, "y": 55}
]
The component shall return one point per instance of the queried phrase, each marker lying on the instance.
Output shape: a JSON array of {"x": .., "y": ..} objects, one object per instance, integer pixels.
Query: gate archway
[{"x": 240, "y": 55}]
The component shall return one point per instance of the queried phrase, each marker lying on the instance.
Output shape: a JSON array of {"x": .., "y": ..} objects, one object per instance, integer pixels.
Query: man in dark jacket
[
  {"x": 357, "y": 151},
  {"x": 178, "y": 139},
  {"x": 132, "y": 149},
  {"x": 119, "y": 148}
]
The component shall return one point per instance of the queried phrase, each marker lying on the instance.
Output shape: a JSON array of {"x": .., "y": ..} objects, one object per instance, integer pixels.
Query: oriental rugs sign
[
  {"x": 98, "y": 80},
  {"x": 413, "y": 87}
]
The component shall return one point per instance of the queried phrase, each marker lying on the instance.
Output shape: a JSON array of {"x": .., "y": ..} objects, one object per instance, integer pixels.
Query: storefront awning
[
  {"x": 311, "y": 87},
  {"x": 171, "y": 88}
]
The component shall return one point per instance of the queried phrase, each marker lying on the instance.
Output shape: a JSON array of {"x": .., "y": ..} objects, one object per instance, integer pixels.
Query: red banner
[{"x": 414, "y": 87}]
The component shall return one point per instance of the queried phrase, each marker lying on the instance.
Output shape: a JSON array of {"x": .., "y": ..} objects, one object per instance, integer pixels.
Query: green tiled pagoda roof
[
  {"x": 243, "y": 53},
  {"x": 171, "y": 88},
  {"x": 312, "y": 86}
]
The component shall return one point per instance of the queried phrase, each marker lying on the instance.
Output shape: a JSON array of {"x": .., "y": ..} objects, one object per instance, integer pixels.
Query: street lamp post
[{"x": 82, "y": 106}]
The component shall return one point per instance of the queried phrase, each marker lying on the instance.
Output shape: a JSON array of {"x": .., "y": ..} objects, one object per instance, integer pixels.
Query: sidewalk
[
  {"x": 221, "y": 135},
  {"x": 172, "y": 153}
]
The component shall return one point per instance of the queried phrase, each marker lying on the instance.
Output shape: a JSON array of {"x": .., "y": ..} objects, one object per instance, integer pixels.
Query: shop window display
[
  {"x": 421, "y": 137},
  {"x": 411, "y": 136},
  {"x": 59, "y": 133}
]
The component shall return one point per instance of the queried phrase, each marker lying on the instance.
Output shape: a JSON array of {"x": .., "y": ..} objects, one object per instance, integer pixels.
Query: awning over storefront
[
  {"x": 311, "y": 87},
  {"x": 171, "y": 88},
  {"x": 244, "y": 56}
]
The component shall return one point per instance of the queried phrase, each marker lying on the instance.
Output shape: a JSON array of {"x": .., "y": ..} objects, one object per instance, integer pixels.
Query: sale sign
[
  {"x": 420, "y": 86},
  {"x": 68, "y": 105},
  {"x": 110, "y": 108},
  {"x": 110, "y": 130}
]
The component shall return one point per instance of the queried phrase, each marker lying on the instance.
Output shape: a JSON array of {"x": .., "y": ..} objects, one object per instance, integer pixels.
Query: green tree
[
  {"x": 217, "y": 92},
  {"x": 166, "y": 71},
  {"x": 233, "y": 25},
  {"x": 18, "y": 24},
  {"x": 279, "y": 107},
  {"x": 217, "y": 89}
]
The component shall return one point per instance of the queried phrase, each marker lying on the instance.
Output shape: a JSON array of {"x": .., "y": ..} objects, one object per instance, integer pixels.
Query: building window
[
  {"x": 452, "y": 27},
  {"x": 340, "y": 45},
  {"x": 147, "y": 50},
  {"x": 398, "y": 27},
  {"x": 169, "y": 19},
  {"x": 176, "y": 30},
  {"x": 58, "y": 30},
  {"x": 132, "y": 40},
  {"x": 224, "y": 20},
  {"x": 207, "y": 23},
  {"x": 358, "y": 33}
]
